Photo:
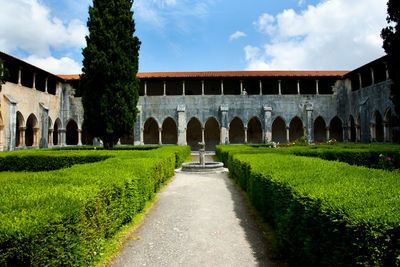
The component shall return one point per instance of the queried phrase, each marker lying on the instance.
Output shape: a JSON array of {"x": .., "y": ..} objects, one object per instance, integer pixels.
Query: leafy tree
[
  {"x": 108, "y": 83},
  {"x": 391, "y": 44}
]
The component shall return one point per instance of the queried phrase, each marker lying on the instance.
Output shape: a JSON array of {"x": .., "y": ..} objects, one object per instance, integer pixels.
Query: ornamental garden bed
[{"x": 63, "y": 206}]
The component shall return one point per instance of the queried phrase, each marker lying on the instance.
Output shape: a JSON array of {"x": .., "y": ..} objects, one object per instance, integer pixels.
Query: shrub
[{"x": 64, "y": 217}]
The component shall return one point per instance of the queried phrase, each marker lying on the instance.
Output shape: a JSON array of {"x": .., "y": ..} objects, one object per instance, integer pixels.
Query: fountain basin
[{"x": 207, "y": 167}]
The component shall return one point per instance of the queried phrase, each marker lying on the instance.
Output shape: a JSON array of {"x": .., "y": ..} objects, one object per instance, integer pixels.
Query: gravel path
[{"x": 197, "y": 220}]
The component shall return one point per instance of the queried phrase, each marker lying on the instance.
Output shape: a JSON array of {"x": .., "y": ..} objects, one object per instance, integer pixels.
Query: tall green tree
[
  {"x": 391, "y": 44},
  {"x": 109, "y": 84}
]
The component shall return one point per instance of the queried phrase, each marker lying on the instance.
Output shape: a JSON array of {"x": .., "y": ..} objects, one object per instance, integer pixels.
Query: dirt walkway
[{"x": 198, "y": 220}]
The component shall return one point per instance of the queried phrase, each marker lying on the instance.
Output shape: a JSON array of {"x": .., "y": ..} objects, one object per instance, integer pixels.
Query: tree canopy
[
  {"x": 108, "y": 83},
  {"x": 391, "y": 44}
]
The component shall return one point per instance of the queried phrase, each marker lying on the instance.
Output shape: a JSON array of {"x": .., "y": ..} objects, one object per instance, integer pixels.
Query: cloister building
[{"x": 40, "y": 109}]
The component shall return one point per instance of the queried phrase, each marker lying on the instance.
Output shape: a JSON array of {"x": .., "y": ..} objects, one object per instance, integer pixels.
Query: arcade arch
[
  {"x": 20, "y": 131},
  {"x": 352, "y": 132},
  {"x": 56, "y": 132},
  {"x": 194, "y": 133},
  {"x": 336, "y": 129},
  {"x": 212, "y": 134},
  {"x": 279, "y": 134},
  {"x": 296, "y": 130},
  {"x": 254, "y": 131},
  {"x": 378, "y": 133},
  {"x": 31, "y": 131},
  {"x": 151, "y": 132},
  {"x": 320, "y": 130},
  {"x": 72, "y": 133},
  {"x": 169, "y": 132},
  {"x": 236, "y": 131}
]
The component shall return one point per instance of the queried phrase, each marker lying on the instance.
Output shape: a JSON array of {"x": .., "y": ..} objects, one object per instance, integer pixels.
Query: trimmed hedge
[
  {"x": 64, "y": 217},
  {"x": 324, "y": 212}
]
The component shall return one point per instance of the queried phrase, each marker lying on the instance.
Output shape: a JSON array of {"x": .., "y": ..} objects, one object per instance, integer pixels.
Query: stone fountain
[{"x": 202, "y": 165}]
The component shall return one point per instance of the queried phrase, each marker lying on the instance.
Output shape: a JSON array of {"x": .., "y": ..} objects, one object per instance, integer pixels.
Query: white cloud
[
  {"x": 28, "y": 25},
  {"x": 237, "y": 35},
  {"x": 64, "y": 65},
  {"x": 335, "y": 34},
  {"x": 301, "y": 2}
]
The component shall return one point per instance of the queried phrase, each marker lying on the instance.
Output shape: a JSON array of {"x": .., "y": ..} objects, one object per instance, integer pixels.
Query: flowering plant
[{"x": 385, "y": 163}]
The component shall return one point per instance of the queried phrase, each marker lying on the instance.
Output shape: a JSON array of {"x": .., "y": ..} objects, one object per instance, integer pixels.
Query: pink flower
[{"x": 389, "y": 159}]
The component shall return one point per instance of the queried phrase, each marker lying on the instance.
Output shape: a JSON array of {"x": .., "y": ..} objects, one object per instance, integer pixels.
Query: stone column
[
  {"x": 202, "y": 87},
  {"x": 287, "y": 134},
  {"x": 346, "y": 133},
  {"x": 49, "y": 141},
  {"x": 241, "y": 87},
  {"x": 360, "y": 80},
  {"x": 372, "y": 75},
  {"x": 310, "y": 125},
  {"x": 1, "y": 135},
  {"x": 62, "y": 135},
  {"x": 280, "y": 87},
  {"x": 245, "y": 135},
  {"x": 22, "y": 130},
  {"x": 34, "y": 81},
  {"x": 317, "y": 86},
  {"x": 373, "y": 132},
  {"x": 20, "y": 76},
  {"x": 183, "y": 88},
  {"x": 327, "y": 134},
  {"x": 12, "y": 123},
  {"x": 46, "y": 85},
  {"x": 80, "y": 137},
  {"x": 44, "y": 140},
  {"x": 267, "y": 124},
  {"x": 160, "y": 135},
  {"x": 203, "y": 139},
  {"x": 164, "y": 88},
  {"x": 222, "y": 87},
  {"x": 138, "y": 130},
  {"x": 181, "y": 109},
  {"x": 260, "y": 87},
  {"x": 145, "y": 88},
  {"x": 35, "y": 136},
  {"x": 387, "y": 71},
  {"x": 224, "y": 125},
  {"x": 298, "y": 87}
]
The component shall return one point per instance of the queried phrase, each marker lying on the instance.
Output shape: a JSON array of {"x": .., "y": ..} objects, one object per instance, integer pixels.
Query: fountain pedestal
[{"x": 202, "y": 165}]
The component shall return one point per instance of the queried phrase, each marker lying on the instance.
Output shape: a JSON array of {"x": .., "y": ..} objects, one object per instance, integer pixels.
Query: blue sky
[{"x": 207, "y": 35}]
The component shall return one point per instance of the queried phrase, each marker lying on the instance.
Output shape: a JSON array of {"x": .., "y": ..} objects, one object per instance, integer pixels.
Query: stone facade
[{"x": 215, "y": 107}]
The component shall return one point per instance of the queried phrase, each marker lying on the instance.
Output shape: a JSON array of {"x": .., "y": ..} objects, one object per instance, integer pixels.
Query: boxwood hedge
[
  {"x": 64, "y": 217},
  {"x": 324, "y": 212}
]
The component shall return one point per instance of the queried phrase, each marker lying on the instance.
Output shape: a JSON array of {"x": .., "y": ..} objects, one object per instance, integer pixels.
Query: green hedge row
[
  {"x": 325, "y": 213},
  {"x": 64, "y": 217},
  {"x": 371, "y": 156}
]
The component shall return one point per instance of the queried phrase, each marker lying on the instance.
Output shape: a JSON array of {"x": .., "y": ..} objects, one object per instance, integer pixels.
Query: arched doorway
[
  {"x": 320, "y": 130},
  {"x": 31, "y": 131},
  {"x": 56, "y": 133},
  {"x": 212, "y": 134},
  {"x": 19, "y": 130},
  {"x": 279, "y": 131},
  {"x": 194, "y": 134},
  {"x": 236, "y": 131},
  {"x": 336, "y": 129},
  {"x": 296, "y": 130},
  {"x": 352, "y": 129},
  {"x": 254, "y": 131},
  {"x": 151, "y": 133},
  {"x": 50, "y": 132},
  {"x": 72, "y": 133},
  {"x": 378, "y": 127},
  {"x": 169, "y": 132}
]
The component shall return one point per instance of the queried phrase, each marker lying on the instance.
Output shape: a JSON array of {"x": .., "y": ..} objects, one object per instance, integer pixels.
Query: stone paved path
[{"x": 197, "y": 220}]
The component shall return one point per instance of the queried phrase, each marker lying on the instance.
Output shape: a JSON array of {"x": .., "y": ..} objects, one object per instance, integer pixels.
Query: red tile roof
[{"x": 222, "y": 74}]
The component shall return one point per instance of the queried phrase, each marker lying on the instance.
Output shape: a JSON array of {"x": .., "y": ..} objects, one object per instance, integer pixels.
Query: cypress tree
[
  {"x": 391, "y": 44},
  {"x": 109, "y": 84}
]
